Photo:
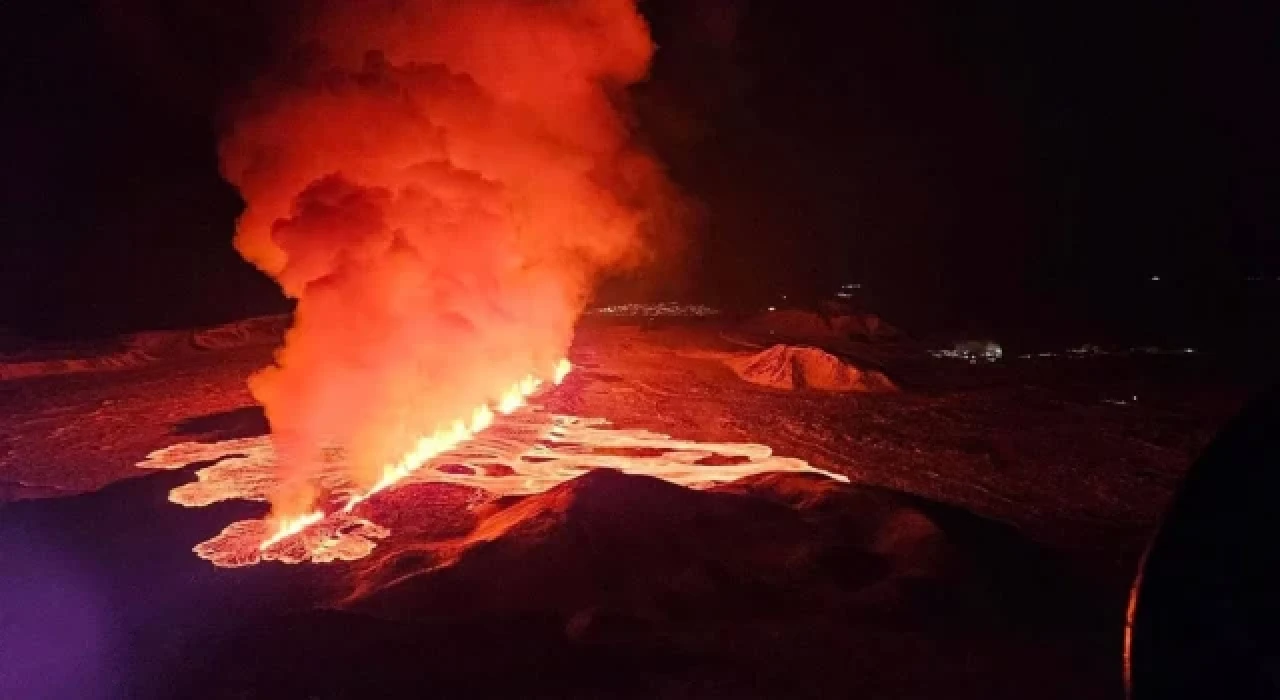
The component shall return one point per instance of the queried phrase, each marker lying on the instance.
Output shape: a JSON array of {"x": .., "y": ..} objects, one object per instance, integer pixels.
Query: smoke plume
[{"x": 438, "y": 183}]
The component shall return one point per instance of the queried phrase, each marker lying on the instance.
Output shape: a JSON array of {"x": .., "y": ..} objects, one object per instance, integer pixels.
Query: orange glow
[
  {"x": 292, "y": 526},
  {"x": 511, "y": 400},
  {"x": 426, "y": 448},
  {"x": 561, "y": 371},
  {"x": 481, "y": 418}
]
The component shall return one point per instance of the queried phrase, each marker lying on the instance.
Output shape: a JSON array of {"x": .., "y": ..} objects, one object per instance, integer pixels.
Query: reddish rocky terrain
[{"x": 981, "y": 549}]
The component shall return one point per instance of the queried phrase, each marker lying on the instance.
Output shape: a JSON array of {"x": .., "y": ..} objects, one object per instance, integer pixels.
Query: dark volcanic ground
[{"x": 982, "y": 550}]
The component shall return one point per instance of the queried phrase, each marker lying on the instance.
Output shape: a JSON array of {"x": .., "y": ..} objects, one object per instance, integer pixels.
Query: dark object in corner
[{"x": 1204, "y": 613}]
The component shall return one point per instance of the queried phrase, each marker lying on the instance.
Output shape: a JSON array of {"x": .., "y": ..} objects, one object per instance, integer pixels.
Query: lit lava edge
[{"x": 428, "y": 446}]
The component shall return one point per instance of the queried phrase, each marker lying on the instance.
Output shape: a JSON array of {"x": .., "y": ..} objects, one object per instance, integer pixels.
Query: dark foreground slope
[
  {"x": 937, "y": 576},
  {"x": 609, "y": 585}
]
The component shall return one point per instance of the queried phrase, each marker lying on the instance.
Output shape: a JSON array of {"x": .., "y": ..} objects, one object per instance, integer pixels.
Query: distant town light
[
  {"x": 972, "y": 350},
  {"x": 662, "y": 308},
  {"x": 773, "y": 308},
  {"x": 1155, "y": 278}
]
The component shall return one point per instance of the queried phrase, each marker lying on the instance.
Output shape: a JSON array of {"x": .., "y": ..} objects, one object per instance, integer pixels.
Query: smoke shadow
[{"x": 243, "y": 422}]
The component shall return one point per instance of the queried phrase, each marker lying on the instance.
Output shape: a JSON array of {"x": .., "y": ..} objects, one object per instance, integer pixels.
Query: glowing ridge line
[
  {"x": 427, "y": 448},
  {"x": 292, "y": 526}
]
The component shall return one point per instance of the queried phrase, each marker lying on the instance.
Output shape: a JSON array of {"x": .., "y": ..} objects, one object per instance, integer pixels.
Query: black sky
[{"x": 992, "y": 163}]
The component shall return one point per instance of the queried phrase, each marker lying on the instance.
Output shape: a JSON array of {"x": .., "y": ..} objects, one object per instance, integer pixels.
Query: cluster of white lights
[
  {"x": 974, "y": 351},
  {"x": 666, "y": 308}
]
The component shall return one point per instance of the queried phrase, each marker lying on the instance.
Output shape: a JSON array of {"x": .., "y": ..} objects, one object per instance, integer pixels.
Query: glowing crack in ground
[{"x": 527, "y": 452}]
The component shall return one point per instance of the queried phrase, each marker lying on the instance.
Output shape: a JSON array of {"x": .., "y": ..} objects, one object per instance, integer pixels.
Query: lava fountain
[
  {"x": 438, "y": 184},
  {"x": 427, "y": 447}
]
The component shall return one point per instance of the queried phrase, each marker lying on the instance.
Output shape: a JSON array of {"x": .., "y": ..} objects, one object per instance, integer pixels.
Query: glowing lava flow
[
  {"x": 528, "y": 453},
  {"x": 562, "y": 369},
  {"x": 292, "y": 526},
  {"x": 428, "y": 446}
]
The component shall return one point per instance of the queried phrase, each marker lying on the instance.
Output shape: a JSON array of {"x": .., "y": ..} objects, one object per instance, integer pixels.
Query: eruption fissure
[
  {"x": 427, "y": 448},
  {"x": 526, "y": 453}
]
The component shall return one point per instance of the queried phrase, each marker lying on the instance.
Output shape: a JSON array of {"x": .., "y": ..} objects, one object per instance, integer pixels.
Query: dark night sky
[{"x": 999, "y": 163}]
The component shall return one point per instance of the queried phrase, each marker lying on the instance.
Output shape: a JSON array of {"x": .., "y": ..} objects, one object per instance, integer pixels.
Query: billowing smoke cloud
[{"x": 438, "y": 184}]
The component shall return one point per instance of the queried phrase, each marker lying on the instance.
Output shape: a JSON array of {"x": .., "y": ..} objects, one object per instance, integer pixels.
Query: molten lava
[
  {"x": 427, "y": 447},
  {"x": 289, "y": 527},
  {"x": 526, "y": 453},
  {"x": 562, "y": 371}
]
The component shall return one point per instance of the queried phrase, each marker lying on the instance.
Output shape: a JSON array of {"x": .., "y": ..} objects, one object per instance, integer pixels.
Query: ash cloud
[{"x": 438, "y": 185}]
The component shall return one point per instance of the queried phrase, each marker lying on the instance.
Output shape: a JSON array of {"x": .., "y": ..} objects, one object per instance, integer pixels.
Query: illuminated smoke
[{"x": 438, "y": 184}]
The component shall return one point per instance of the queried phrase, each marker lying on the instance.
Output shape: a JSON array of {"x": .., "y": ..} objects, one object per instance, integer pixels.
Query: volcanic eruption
[{"x": 438, "y": 184}]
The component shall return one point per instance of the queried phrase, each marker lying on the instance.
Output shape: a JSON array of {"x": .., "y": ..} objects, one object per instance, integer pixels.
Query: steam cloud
[{"x": 438, "y": 184}]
